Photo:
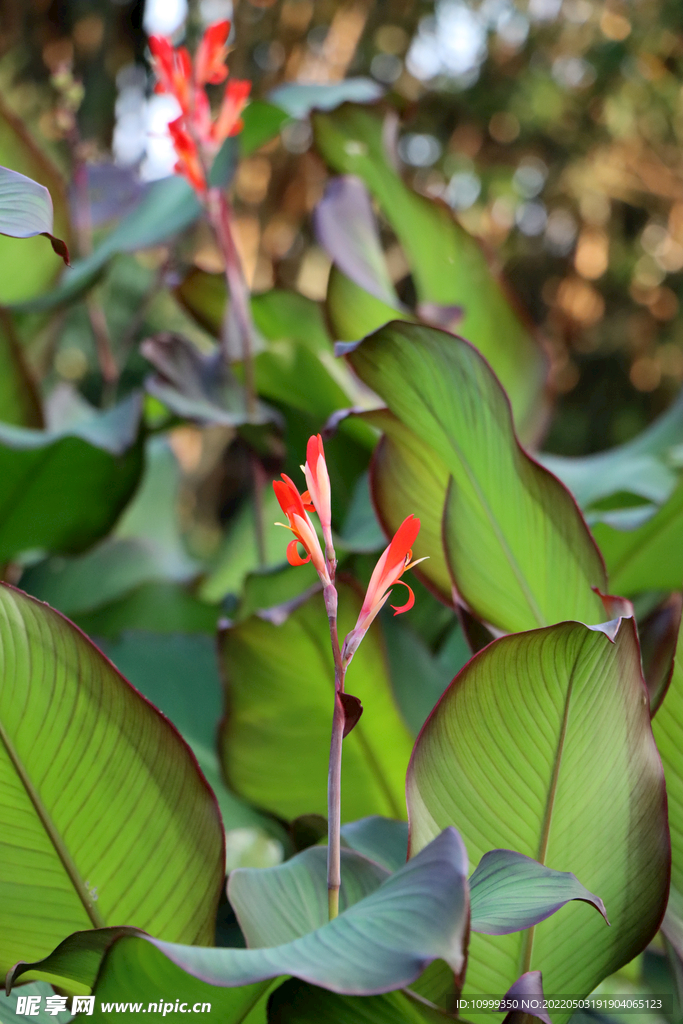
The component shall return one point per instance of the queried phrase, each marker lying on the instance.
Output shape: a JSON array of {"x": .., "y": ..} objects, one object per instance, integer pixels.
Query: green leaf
[
  {"x": 19, "y": 399},
  {"x": 361, "y": 531},
  {"x": 167, "y": 208},
  {"x": 62, "y": 490},
  {"x": 510, "y": 892},
  {"x": 353, "y": 312},
  {"x": 299, "y": 99},
  {"x": 543, "y": 745},
  {"x": 650, "y": 557},
  {"x": 385, "y": 941},
  {"x": 295, "y": 1002},
  {"x": 156, "y": 607},
  {"x": 144, "y": 546},
  {"x": 276, "y": 737},
  {"x": 667, "y": 726},
  {"x": 262, "y": 121},
  {"x": 279, "y": 904},
  {"x": 178, "y": 673},
  {"x": 642, "y": 466},
  {"x": 105, "y": 817},
  {"x": 26, "y": 210},
  {"x": 238, "y": 555},
  {"x": 28, "y": 264},
  {"x": 407, "y": 476},
  {"x": 447, "y": 264},
  {"x": 417, "y": 676},
  {"x": 519, "y": 552},
  {"x": 381, "y": 839},
  {"x": 135, "y": 972}
]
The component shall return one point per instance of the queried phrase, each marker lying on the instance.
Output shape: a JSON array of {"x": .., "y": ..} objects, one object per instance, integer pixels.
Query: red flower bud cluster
[{"x": 197, "y": 135}]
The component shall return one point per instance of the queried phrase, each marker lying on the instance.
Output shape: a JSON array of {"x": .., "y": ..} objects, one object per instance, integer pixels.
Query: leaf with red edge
[
  {"x": 516, "y": 546},
  {"x": 104, "y": 815},
  {"x": 542, "y": 744}
]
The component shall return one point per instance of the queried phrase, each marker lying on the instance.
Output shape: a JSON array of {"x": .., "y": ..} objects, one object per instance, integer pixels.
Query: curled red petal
[
  {"x": 399, "y": 609},
  {"x": 293, "y": 556}
]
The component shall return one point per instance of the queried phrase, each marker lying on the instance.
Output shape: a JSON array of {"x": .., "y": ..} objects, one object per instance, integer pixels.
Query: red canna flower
[
  {"x": 209, "y": 61},
  {"x": 229, "y": 121},
  {"x": 173, "y": 69},
  {"x": 294, "y": 506},
  {"x": 188, "y": 163},
  {"x": 318, "y": 481},
  {"x": 393, "y": 562},
  {"x": 195, "y": 127}
]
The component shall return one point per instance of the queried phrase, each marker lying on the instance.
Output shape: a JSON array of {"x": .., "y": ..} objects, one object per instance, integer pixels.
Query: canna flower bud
[{"x": 318, "y": 481}]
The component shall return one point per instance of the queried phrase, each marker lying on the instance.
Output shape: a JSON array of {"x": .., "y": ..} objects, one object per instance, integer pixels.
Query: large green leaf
[
  {"x": 28, "y": 264},
  {"x": 19, "y": 400},
  {"x": 276, "y": 905},
  {"x": 383, "y": 942},
  {"x": 62, "y": 490},
  {"x": 543, "y": 745},
  {"x": 642, "y": 466},
  {"x": 179, "y": 674},
  {"x": 136, "y": 978},
  {"x": 448, "y": 266},
  {"x": 295, "y": 1002},
  {"x": 649, "y": 557},
  {"x": 276, "y": 738},
  {"x": 354, "y": 312},
  {"x": 105, "y": 817},
  {"x": 519, "y": 552},
  {"x": 667, "y": 726}
]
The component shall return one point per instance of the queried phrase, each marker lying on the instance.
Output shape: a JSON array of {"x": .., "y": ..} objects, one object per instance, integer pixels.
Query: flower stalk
[{"x": 392, "y": 564}]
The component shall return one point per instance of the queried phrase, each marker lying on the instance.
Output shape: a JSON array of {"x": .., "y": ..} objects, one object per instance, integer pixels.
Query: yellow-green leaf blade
[
  {"x": 543, "y": 745},
  {"x": 518, "y": 550},
  {"x": 105, "y": 818}
]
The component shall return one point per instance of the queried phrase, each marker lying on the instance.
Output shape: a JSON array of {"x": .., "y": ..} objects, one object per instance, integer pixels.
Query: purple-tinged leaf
[
  {"x": 26, "y": 210},
  {"x": 445, "y": 317},
  {"x": 525, "y": 996},
  {"x": 346, "y": 229},
  {"x": 658, "y": 634},
  {"x": 384, "y": 840},
  {"x": 113, "y": 191},
  {"x": 383, "y": 942},
  {"x": 353, "y": 709},
  {"x": 510, "y": 892}
]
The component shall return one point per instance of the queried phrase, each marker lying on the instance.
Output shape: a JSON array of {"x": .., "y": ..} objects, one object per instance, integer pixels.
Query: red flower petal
[
  {"x": 293, "y": 556},
  {"x": 399, "y": 609}
]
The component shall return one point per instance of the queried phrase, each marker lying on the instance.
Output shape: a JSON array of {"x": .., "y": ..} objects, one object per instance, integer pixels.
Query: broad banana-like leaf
[
  {"x": 649, "y": 557},
  {"x": 448, "y": 266},
  {"x": 542, "y": 744},
  {"x": 383, "y": 840},
  {"x": 384, "y": 942},
  {"x": 279, "y": 904},
  {"x": 62, "y": 490},
  {"x": 519, "y": 552},
  {"x": 295, "y": 1002},
  {"x": 275, "y": 742},
  {"x": 104, "y": 815},
  {"x": 667, "y": 726},
  {"x": 510, "y": 892}
]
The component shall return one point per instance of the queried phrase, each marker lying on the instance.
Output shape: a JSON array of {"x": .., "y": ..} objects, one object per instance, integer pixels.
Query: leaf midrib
[
  {"x": 57, "y": 842},
  {"x": 528, "y": 935}
]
